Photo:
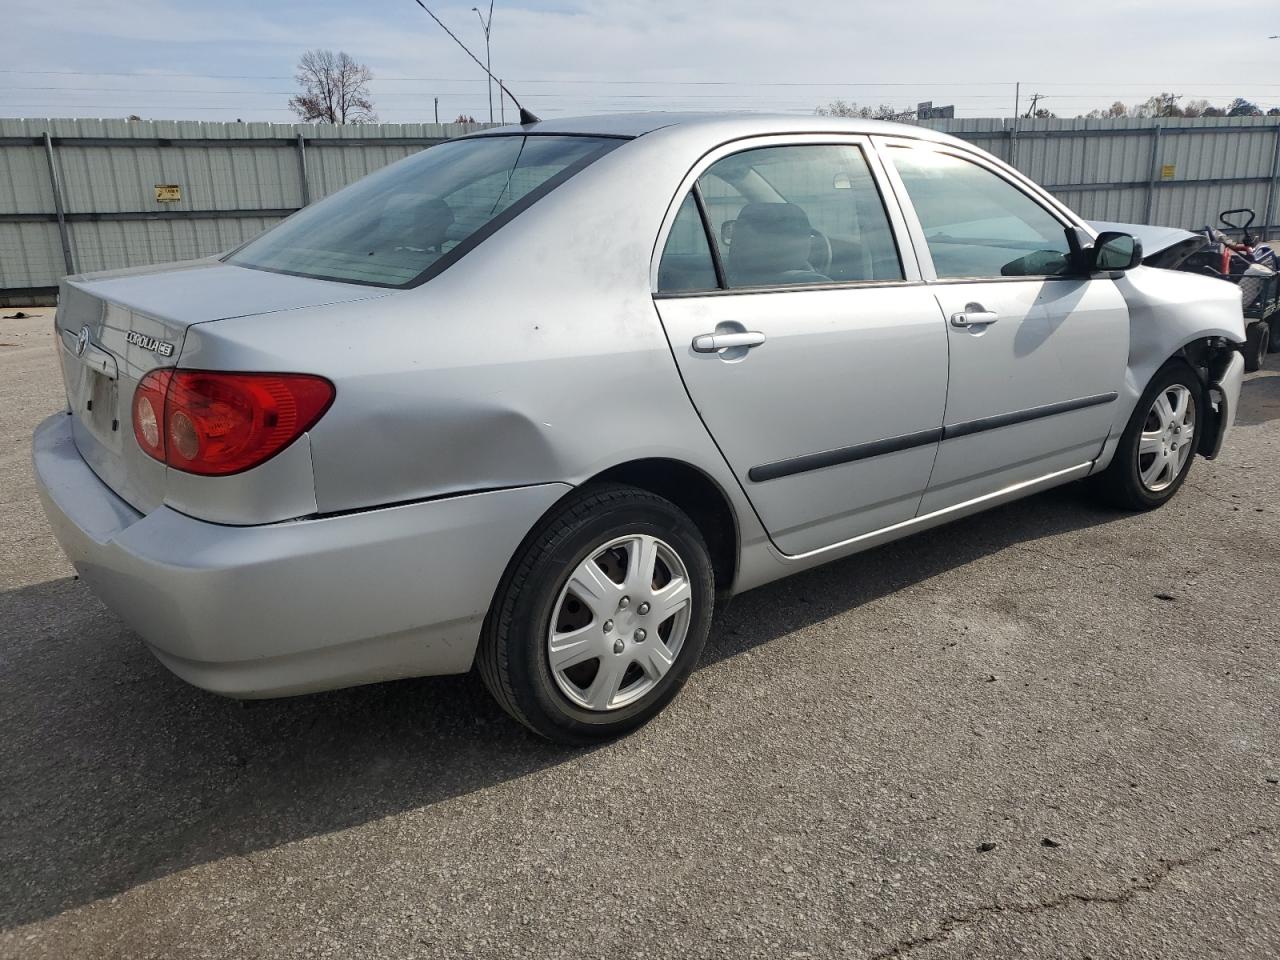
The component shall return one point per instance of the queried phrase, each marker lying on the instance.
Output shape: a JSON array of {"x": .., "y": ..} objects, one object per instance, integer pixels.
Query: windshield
[{"x": 409, "y": 221}]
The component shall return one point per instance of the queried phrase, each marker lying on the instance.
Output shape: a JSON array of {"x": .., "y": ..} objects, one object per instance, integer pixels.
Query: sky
[{"x": 165, "y": 59}]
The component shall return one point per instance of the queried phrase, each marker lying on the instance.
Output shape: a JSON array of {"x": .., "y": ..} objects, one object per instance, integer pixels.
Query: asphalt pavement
[{"x": 1051, "y": 730}]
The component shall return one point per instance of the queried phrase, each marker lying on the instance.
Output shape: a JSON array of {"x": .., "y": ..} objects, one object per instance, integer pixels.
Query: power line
[{"x": 721, "y": 83}]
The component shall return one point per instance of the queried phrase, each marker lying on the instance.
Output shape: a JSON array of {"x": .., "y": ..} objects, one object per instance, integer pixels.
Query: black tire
[
  {"x": 1257, "y": 338},
  {"x": 1274, "y": 324},
  {"x": 513, "y": 658},
  {"x": 1121, "y": 484}
]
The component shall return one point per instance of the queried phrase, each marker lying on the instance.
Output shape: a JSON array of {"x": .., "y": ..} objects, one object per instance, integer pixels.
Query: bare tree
[
  {"x": 335, "y": 89},
  {"x": 1114, "y": 111},
  {"x": 1164, "y": 105},
  {"x": 841, "y": 108}
]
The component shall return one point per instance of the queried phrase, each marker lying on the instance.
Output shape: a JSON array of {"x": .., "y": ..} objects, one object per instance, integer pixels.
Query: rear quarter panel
[{"x": 539, "y": 357}]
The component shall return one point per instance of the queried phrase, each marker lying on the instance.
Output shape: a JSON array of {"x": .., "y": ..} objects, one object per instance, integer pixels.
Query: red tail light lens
[{"x": 215, "y": 423}]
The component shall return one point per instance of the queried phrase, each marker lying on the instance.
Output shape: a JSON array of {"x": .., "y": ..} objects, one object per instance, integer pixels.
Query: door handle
[
  {"x": 715, "y": 342},
  {"x": 975, "y": 314}
]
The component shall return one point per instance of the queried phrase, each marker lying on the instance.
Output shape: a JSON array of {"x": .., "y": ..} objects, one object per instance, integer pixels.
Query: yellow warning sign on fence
[
  {"x": 168, "y": 193},
  {"x": 1168, "y": 171}
]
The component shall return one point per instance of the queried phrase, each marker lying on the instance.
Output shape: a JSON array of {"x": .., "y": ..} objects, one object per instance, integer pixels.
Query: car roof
[{"x": 715, "y": 126}]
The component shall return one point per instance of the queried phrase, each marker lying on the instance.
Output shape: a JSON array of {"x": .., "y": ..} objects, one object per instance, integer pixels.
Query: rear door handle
[
  {"x": 975, "y": 314},
  {"x": 715, "y": 342}
]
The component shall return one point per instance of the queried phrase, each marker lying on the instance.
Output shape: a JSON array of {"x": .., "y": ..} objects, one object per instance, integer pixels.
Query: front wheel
[
  {"x": 601, "y": 617},
  {"x": 1155, "y": 451}
]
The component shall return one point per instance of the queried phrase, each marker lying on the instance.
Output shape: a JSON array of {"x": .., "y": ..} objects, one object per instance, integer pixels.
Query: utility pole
[
  {"x": 502, "y": 103},
  {"x": 1035, "y": 99},
  {"x": 437, "y": 109},
  {"x": 1017, "y": 95},
  {"x": 487, "y": 24}
]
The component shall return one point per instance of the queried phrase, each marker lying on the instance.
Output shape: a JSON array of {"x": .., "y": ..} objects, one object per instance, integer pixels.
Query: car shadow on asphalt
[{"x": 117, "y": 773}]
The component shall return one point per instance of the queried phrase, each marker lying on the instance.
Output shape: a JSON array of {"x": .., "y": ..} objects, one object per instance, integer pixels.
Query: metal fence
[
  {"x": 1169, "y": 172},
  {"x": 83, "y": 195}
]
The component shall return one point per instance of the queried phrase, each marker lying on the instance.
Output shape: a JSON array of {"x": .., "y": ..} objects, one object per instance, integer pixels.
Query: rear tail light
[{"x": 213, "y": 423}]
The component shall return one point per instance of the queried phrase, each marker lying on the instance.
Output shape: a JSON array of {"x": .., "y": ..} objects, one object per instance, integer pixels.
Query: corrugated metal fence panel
[
  {"x": 30, "y": 255},
  {"x": 112, "y": 244},
  {"x": 1103, "y": 169},
  {"x": 109, "y": 185},
  {"x": 24, "y": 172}
]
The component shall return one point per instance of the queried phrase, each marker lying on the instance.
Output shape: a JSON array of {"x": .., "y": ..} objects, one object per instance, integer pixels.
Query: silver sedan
[{"x": 531, "y": 400}]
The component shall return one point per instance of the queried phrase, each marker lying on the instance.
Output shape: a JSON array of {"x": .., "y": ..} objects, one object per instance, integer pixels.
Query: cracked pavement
[{"x": 1046, "y": 731}]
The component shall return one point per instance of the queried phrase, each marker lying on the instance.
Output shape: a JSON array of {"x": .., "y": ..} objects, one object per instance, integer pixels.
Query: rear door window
[
  {"x": 686, "y": 263},
  {"x": 799, "y": 214},
  {"x": 404, "y": 223}
]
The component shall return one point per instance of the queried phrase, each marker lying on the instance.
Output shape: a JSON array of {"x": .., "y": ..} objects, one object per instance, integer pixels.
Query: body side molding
[{"x": 878, "y": 448}]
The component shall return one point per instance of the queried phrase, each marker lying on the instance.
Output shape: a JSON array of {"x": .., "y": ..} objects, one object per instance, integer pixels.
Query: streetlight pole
[{"x": 486, "y": 24}]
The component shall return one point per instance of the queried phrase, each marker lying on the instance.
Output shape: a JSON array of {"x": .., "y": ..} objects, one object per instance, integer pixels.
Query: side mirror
[{"x": 1114, "y": 251}]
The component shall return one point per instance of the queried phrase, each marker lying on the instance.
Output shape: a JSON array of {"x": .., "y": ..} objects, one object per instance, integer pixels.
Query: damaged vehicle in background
[{"x": 532, "y": 399}]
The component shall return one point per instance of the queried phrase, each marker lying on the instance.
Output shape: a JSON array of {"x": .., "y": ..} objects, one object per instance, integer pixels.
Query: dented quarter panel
[{"x": 559, "y": 372}]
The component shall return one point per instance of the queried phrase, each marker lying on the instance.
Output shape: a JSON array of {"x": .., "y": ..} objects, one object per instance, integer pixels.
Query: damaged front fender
[{"x": 1174, "y": 314}]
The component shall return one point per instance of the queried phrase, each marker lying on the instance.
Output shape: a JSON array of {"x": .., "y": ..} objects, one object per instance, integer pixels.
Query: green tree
[{"x": 1240, "y": 107}]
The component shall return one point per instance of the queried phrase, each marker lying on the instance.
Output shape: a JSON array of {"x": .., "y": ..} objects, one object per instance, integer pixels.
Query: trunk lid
[{"x": 112, "y": 328}]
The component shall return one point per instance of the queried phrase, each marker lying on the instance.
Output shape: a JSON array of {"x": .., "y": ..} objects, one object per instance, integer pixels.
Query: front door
[
  {"x": 816, "y": 359},
  {"x": 1037, "y": 356}
]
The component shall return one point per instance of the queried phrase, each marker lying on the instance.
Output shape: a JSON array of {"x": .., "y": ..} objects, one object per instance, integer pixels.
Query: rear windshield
[{"x": 409, "y": 221}]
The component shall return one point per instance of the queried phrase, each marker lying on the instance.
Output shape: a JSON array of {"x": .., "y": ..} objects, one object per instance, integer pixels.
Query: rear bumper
[{"x": 289, "y": 607}]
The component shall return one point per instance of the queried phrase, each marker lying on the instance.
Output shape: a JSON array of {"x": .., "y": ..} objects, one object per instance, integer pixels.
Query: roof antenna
[{"x": 526, "y": 116}]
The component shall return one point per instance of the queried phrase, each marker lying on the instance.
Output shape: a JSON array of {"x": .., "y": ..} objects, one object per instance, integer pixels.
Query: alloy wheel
[{"x": 1167, "y": 439}]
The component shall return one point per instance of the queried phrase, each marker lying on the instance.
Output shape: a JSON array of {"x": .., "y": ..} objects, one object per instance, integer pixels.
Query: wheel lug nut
[
  {"x": 619, "y": 645},
  {"x": 642, "y": 609},
  {"x": 640, "y": 635},
  {"x": 624, "y": 603},
  {"x": 608, "y": 626}
]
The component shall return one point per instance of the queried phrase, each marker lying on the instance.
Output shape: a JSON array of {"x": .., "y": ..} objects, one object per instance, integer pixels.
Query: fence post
[
  {"x": 56, "y": 183},
  {"x": 1270, "y": 213},
  {"x": 302, "y": 170},
  {"x": 1153, "y": 174}
]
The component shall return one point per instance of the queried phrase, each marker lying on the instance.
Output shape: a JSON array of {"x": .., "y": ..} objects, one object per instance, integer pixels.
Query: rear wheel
[
  {"x": 1257, "y": 340},
  {"x": 601, "y": 617},
  {"x": 1274, "y": 324},
  {"x": 1155, "y": 451}
]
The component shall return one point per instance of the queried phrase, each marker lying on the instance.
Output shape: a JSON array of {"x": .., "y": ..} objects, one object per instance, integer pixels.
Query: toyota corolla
[{"x": 531, "y": 400}]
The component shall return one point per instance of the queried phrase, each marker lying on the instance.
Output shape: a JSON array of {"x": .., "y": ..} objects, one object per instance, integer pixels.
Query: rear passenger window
[
  {"x": 686, "y": 260},
  {"x": 978, "y": 224},
  {"x": 799, "y": 214}
]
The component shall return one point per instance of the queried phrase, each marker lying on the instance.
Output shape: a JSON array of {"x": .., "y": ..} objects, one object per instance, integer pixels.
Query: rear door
[
  {"x": 813, "y": 353},
  {"x": 1037, "y": 355}
]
